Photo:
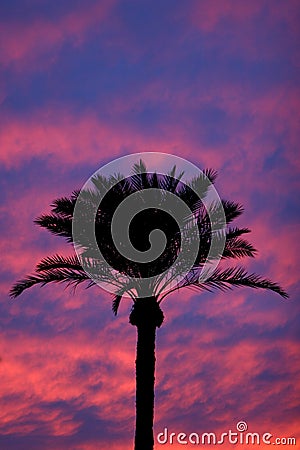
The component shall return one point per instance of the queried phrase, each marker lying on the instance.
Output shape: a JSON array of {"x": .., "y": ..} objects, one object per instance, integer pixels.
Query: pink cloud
[
  {"x": 208, "y": 15},
  {"x": 24, "y": 41},
  {"x": 238, "y": 25},
  {"x": 73, "y": 140},
  {"x": 45, "y": 370}
]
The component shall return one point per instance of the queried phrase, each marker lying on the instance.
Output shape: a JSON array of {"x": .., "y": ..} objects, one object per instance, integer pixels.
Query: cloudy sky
[{"x": 83, "y": 83}]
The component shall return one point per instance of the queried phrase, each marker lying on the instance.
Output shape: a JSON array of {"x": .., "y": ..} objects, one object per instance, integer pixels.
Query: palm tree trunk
[
  {"x": 146, "y": 316},
  {"x": 145, "y": 368}
]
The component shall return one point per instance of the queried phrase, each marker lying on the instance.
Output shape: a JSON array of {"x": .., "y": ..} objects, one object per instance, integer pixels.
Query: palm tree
[{"x": 126, "y": 276}]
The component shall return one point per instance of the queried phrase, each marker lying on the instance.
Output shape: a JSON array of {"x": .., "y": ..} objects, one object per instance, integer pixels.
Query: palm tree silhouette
[{"x": 146, "y": 313}]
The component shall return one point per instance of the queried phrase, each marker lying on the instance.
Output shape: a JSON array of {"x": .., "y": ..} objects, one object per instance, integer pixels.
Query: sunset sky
[{"x": 84, "y": 82}]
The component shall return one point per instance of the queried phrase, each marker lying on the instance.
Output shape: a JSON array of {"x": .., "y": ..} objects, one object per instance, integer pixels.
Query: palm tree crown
[{"x": 88, "y": 267}]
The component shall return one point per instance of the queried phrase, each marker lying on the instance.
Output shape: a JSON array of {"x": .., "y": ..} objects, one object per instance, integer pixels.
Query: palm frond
[
  {"x": 154, "y": 181},
  {"x": 64, "y": 206},
  {"x": 116, "y": 303},
  {"x": 101, "y": 183},
  {"x": 68, "y": 276},
  {"x": 225, "y": 280},
  {"x": 170, "y": 182},
  {"x": 200, "y": 184},
  {"x": 236, "y": 232},
  {"x": 232, "y": 210},
  {"x": 238, "y": 248},
  {"x": 59, "y": 262},
  {"x": 56, "y": 224},
  {"x": 211, "y": 174},
  {"x": 237, "y": 276},
  {"x": 139, "y": 167}
]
